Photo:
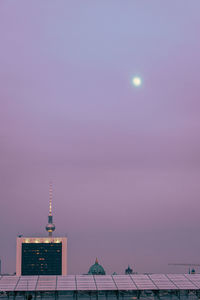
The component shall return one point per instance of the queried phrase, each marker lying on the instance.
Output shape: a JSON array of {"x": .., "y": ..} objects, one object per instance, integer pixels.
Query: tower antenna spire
[
  {"x": 50, "y": 226},
  {"x": 50, "y": 198}
]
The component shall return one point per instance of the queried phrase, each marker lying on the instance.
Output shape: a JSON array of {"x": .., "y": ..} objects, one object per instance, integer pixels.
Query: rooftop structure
[
  {"x": 128, "y": 270},
  {"x": 165, "y": 286},
  {"x": 96, "y": 269}
]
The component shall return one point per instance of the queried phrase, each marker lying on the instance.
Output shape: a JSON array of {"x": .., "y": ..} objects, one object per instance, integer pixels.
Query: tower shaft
[{"x": 50, "y": 226}]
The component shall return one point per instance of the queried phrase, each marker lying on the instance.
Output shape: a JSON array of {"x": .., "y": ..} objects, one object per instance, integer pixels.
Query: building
[
  {"x": 42, "y": 256},
  {"x": 96, "y": 269}
]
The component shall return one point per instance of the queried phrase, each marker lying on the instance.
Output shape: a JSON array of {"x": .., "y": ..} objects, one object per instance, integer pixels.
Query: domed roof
[
  {"x": 128, "y": 270},
  {"x": 96, "y": 269}
]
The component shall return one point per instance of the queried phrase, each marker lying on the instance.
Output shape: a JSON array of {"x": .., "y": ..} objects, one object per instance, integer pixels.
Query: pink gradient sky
[{"x": 125, "y": 162}]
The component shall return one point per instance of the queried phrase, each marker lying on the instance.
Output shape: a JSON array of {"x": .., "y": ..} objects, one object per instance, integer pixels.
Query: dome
[
  {"x": 96, "y": 269},
  {"x": 128, "y": 271}
]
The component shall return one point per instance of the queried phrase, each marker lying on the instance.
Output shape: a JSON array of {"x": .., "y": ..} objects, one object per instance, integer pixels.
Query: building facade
[{"x": 41, "y": 256}]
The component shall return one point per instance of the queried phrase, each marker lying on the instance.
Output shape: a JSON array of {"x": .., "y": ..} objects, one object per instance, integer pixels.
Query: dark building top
[
  {"x": 128, "y": 271},
  {"x": 96, "y": 269}
]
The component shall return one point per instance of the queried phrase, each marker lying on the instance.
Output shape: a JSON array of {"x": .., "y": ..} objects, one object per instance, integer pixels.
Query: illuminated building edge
[{"x": 45, "y": 240}]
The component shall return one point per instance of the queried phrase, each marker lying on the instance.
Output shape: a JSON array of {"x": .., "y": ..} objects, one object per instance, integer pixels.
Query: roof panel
[
  {"x": 8, "y": 283},
  {"x": 182, "y": 282},
  {"x": 124, "y": 282},
  {"x": 143, "y": 282},
  {"x": 107, "y": 282},
  {"x": 46, "y": 283},
  {"x": 162, "y": 281},
  {"x": 88, "y": 287},
  {"x": 26, "y": 283}
]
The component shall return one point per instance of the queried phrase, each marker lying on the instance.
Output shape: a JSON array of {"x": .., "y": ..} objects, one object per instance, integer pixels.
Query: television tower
[{"x": 50, "y": 227}]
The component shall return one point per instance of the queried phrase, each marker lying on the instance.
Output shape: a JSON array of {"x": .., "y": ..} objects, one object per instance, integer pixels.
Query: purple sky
[{"x": 125, "y": 162}]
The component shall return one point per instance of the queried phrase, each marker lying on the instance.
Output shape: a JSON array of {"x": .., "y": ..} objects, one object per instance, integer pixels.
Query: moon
[{"x": 137, "y": 81}]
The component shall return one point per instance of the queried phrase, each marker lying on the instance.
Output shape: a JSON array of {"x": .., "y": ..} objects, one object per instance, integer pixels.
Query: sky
[{"x": 124, "y": 161}]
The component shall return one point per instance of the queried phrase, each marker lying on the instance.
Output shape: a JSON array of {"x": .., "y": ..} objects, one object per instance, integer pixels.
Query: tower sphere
[{"x": 50, "y": 227}]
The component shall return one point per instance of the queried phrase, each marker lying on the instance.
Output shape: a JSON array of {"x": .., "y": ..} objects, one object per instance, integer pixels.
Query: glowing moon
[{"x": 136, "y": 81}]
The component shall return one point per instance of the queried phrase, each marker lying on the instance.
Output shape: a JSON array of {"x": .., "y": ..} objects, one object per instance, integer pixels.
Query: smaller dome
[
  {"x": 128, "y": 271},
  {"x": 96, "y": 269}
]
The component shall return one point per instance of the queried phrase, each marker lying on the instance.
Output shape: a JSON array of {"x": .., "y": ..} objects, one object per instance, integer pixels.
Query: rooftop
[{"x": 136, "y": 282}]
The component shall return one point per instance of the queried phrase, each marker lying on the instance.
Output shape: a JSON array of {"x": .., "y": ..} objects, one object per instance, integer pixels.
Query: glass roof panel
[{"x": 107, "y": 282}]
